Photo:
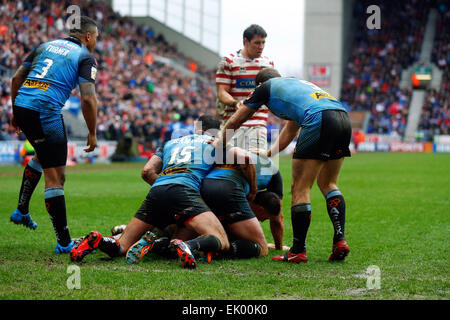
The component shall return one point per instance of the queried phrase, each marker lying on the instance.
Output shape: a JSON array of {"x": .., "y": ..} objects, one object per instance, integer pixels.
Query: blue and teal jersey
[
  {"x": 186, "y": 161},
  {"x": 265, "y": 170},
  {"x": 56, "y": 68},
  {"x": 292, "y": 99}
]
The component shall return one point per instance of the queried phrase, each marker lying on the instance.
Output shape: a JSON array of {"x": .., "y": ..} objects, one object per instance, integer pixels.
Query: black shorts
[
  {"x": 324, "y": 136},
  {"x": 46, "y": 133},
  {"x": 276, "y": 185},
  {"x": 227, "y": 200},
  {"x": 171, "y": 204}
]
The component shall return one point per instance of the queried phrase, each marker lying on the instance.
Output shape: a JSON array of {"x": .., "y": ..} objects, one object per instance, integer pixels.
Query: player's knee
[
  {"x": 264, "y": 250},
  {"x": 62, "y": 179},
  {"x": 326, "y": 186},
  {"x": 224, "y": 243}
]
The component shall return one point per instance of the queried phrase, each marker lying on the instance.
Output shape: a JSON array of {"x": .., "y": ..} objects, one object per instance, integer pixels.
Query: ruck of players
[{"x": 210, "y": 190}]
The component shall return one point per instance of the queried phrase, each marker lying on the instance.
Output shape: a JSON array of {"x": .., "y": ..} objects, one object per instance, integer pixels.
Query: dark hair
[
  {"x": 269, "y": 201},
  {"x": 266, "y": 74},
  {"x": 208, "y": 122},
  {"x": 86, "y": 25},
  {"x": 254, "y": 30}
]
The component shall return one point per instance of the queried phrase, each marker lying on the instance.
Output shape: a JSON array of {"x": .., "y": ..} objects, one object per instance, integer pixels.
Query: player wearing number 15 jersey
[{"x": 40, "y": 88}]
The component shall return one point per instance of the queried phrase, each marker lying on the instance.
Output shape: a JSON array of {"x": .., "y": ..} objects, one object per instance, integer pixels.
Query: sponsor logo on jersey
[
  {"x": 175, "y": 170},
  {"x": 245, "y": 83},
  {"x": 93, "y": 73},
  {"x": 321, "y": 95},
  {"x": 36, "y": 84}
]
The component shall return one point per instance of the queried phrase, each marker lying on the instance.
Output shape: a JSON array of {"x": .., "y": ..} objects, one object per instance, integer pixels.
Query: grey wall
[
  {"x": 328, "y": 38},
  {"x": 188, "y": 47}
]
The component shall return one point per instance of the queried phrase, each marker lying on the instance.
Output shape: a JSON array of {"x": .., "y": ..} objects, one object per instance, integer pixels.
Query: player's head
[
  {"x": 86, "y": 31},
  {"x": 269, "y": 201},
  {"x": 254, "y": 41},
  {"x": 207, "y": 124},
  {"x": 266, "y": 74}
]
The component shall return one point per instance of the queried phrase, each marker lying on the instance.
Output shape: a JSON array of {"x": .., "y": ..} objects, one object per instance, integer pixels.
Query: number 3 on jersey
[
  {"x": 49, "y": 63},
  {"x": 183, "y": 156}
]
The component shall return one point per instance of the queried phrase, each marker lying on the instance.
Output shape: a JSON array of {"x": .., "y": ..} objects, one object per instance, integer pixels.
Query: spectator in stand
[
  {"x": 377, "y": 58},
  {"x": 134, "y": 89}
]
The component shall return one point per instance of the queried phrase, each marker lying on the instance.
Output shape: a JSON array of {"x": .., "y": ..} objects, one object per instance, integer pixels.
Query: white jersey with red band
[{"x": 239, "y": 73}]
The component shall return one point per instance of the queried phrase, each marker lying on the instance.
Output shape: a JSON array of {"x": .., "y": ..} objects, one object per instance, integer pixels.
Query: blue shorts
[{"x": 46, "y": 133}]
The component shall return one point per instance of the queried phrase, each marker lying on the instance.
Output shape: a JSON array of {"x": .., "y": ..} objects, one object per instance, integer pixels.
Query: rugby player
[
  {"x": 39, "y": 90},
  {"x": 322, "y": 144},
  {"x": 235, "y": 80},
  {"x": 225, "y": 190},
  {"x": 175, "y": 173}
]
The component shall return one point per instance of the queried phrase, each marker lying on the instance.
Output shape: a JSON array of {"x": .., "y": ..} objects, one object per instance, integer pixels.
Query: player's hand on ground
[
  {"x": 272, "y": 246},
  {"x": 91, "y": 142}
]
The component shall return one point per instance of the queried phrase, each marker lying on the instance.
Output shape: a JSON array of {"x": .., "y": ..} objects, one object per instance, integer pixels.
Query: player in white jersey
[{"x": 235, "y": 80}]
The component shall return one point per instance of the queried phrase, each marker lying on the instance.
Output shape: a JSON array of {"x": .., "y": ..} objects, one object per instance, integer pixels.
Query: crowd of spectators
[
  {"x": 136, "y": 92},
  {"x": 377, "y": 58},
  {"x": 139, "y": 94},
  {"x": 435, "y": 118}
]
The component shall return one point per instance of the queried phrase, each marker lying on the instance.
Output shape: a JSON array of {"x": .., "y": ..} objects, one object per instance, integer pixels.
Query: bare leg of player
[{"x": 250, "y": 230}]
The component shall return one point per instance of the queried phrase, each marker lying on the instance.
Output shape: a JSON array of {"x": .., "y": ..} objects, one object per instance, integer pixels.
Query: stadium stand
[
  {"x": 376, "y": 60},
  {"x": 435, "y": 118},
  {"x": 136, "y": 92},
  {"x": 139, "y": 92}
]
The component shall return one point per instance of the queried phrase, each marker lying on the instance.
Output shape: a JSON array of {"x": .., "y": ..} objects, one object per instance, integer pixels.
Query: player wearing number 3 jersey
[{"x": 40, "y": 88}]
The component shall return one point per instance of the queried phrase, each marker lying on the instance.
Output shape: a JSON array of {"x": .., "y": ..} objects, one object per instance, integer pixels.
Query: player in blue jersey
[
  {"x": 175, "y": 174},
  {"x": 39, "y": 90},
  {"x": 323, "y": 142},
  {"x": 225, "y": 190}
]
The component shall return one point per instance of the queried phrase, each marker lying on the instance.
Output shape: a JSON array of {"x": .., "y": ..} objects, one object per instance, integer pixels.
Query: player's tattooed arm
[
  {"x": 89, "y": 108},
  {"x": 87, "y": 89},
  {"x": 17, "y": 81},
  {"x": 152, "y": 169}
]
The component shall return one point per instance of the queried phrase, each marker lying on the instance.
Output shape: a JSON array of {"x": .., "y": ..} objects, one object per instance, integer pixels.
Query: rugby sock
[
  {"x": 31, "y": 176},
  {"x": 243, "y": 249},
  {"x": 209, "y": 243},
  {"x": 110, "y": 246},
  {"x": 300, "y": 218},
  {"x": 161, "y": 245},
  {"x": 56, "y": 208},
  {"x": 336, "y": 212}
]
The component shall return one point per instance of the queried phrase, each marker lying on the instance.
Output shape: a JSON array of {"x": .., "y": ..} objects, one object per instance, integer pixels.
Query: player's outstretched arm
[
  {"x": 287, "y": 134},
  {"x": 242, "y": 114},
  {"x": 152, "y": 169},
  {"x": 277, "y": 229},
  {"x": 89, "y": 108}
]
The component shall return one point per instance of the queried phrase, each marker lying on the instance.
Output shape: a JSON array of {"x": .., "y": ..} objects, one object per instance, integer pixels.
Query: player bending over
[
  {"x": 322, "y": 144},
  {"x": 175, "y": 173}
]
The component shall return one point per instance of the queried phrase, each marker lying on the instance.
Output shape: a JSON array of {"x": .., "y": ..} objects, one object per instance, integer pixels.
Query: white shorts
[{"x": 250, "y": 138}]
